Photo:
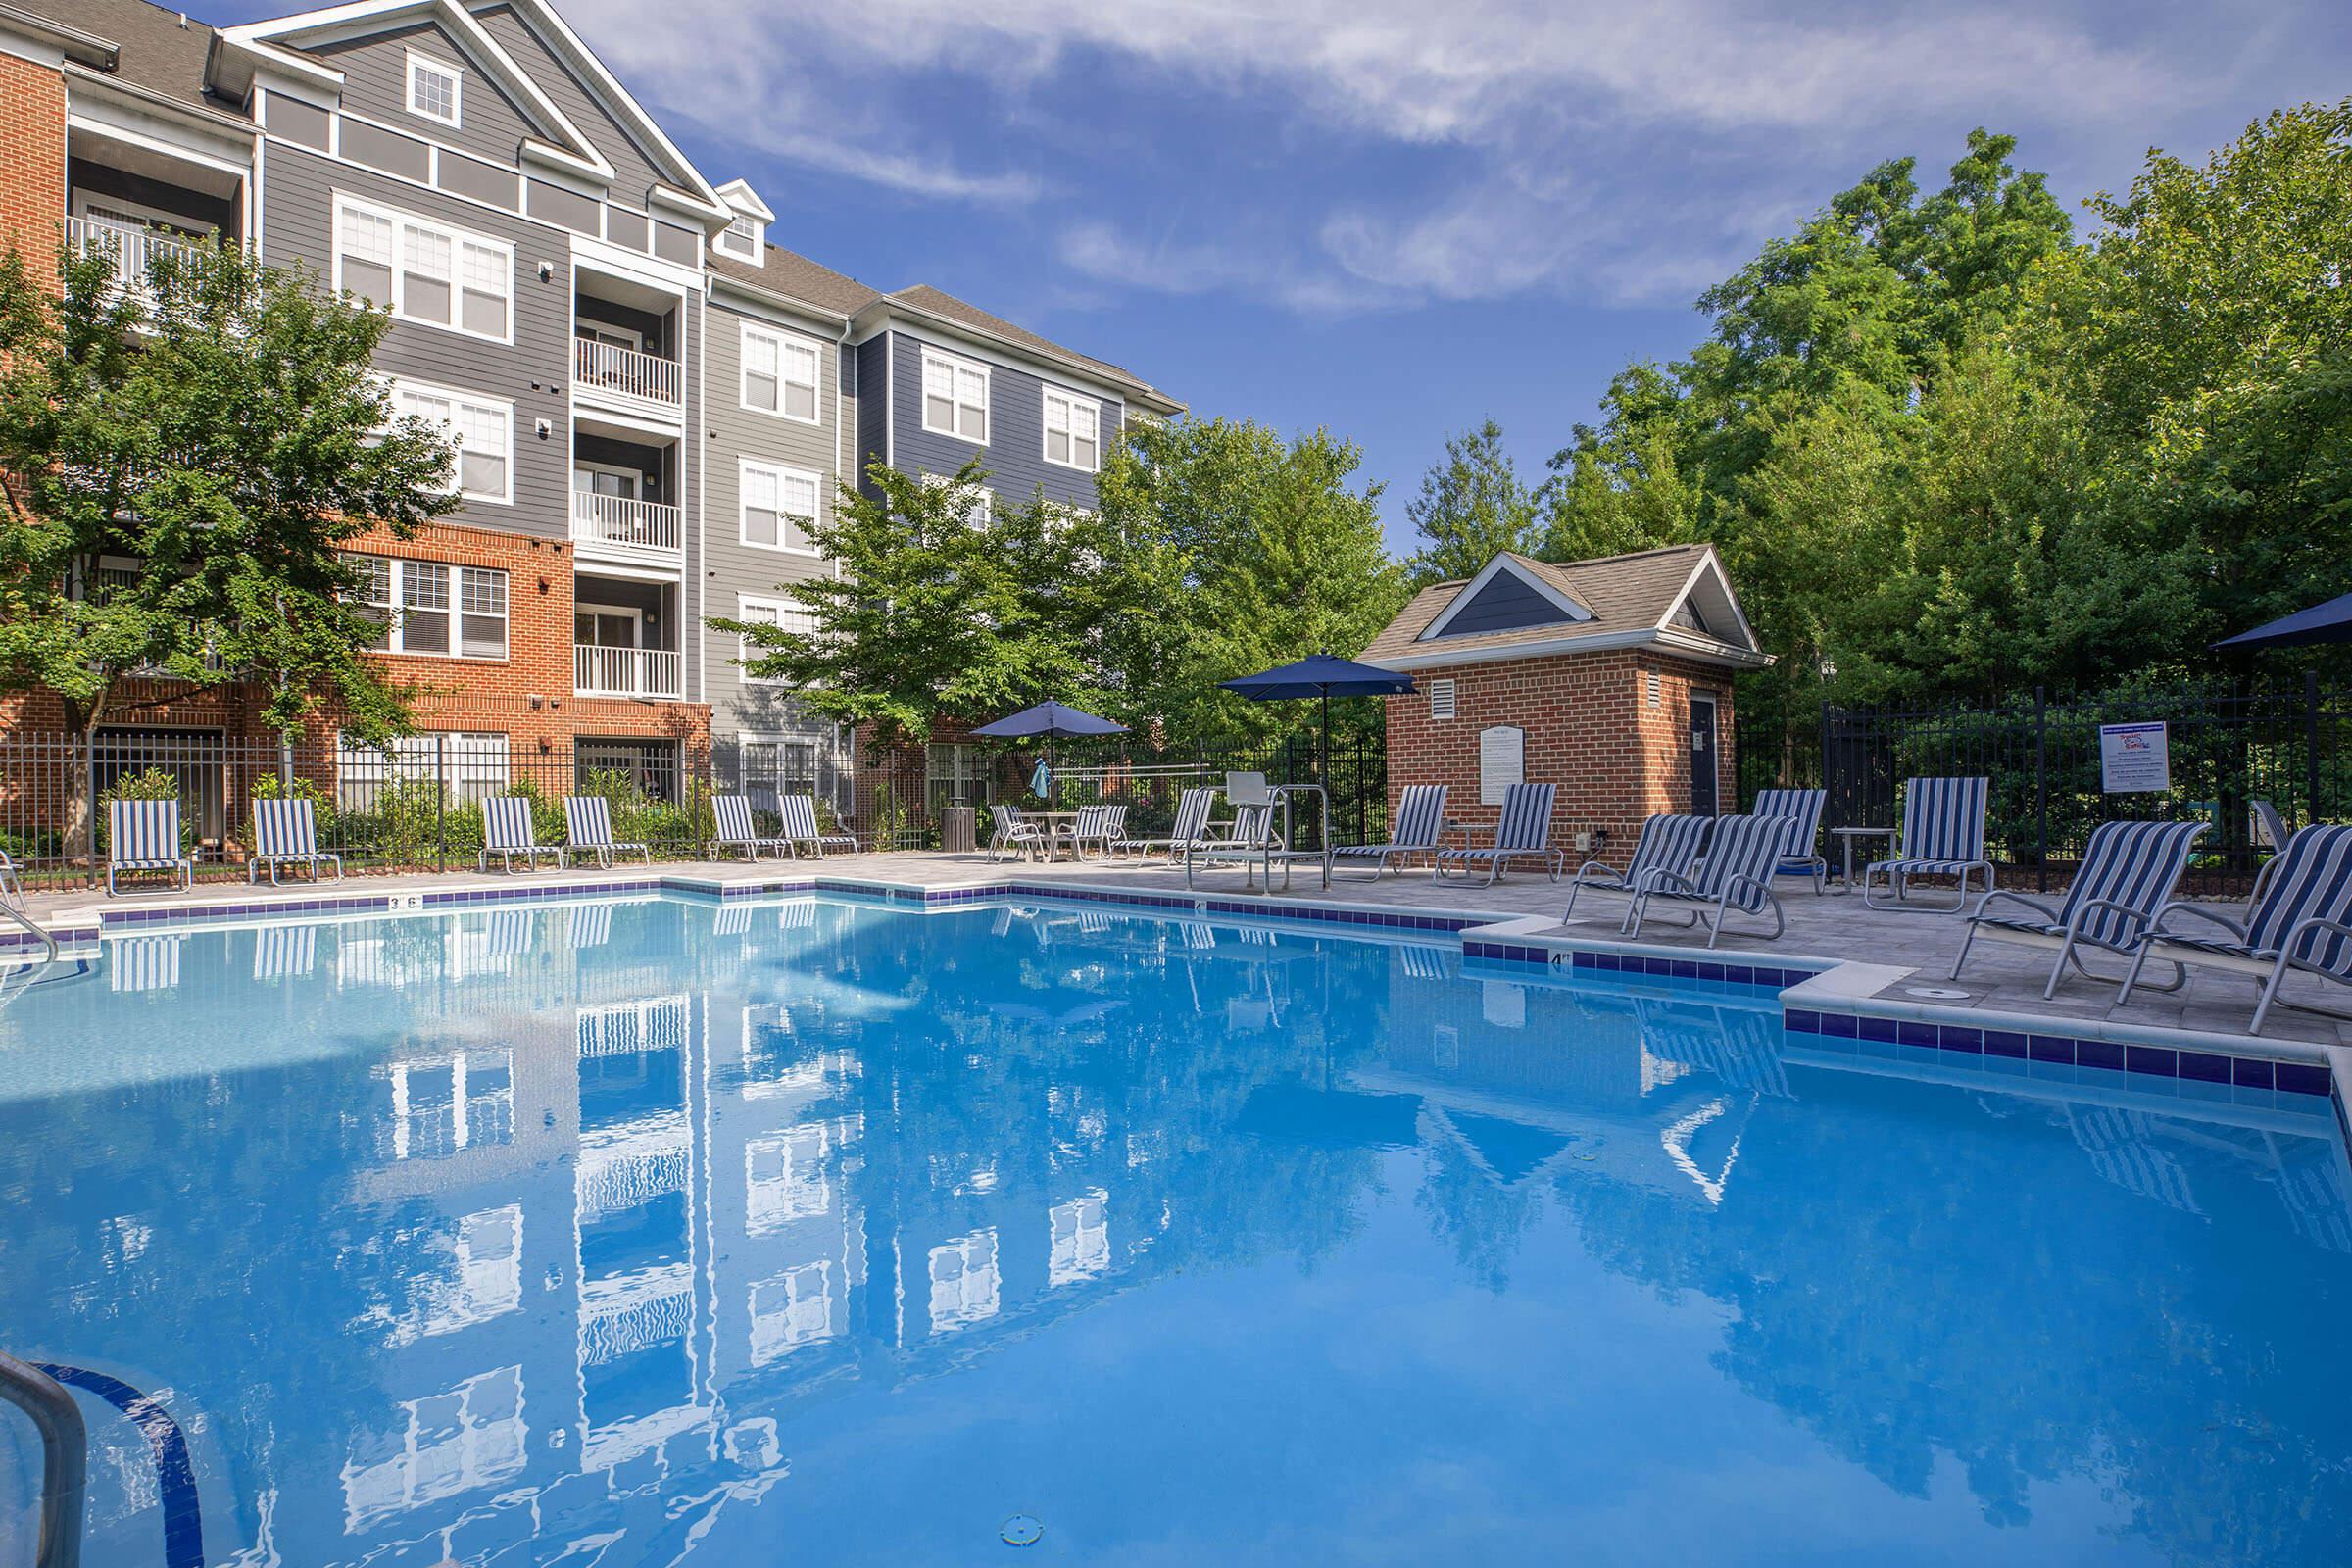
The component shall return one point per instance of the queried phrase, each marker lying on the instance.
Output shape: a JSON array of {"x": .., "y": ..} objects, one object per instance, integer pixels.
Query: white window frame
[
  {"x": 981, "y": 511},
  {"x": 498, "y": 410},
  {"x": 457, "y": 87},
  {"x": 396, "y": 587},
  {"x": 1072, "y": 402},
  {"x": 785, "y": 342},
  {"x": 954, "y": 364},
  {"x": 745, "y": 604},
  {"x": 752, "y": 236},
  {"x": 458, "y": 239},
  {"x": 781, "y": 472}
]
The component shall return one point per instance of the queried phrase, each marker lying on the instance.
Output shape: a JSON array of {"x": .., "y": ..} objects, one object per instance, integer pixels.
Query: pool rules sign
[{"x": 2134, "y": 759}]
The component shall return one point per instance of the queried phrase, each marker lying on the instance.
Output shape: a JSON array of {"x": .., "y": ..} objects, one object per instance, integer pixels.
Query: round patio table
[{"x": 1847, "y": 836}]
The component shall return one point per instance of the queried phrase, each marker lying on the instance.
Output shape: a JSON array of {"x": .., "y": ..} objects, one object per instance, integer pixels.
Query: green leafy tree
[
  {"x": 182, "y": 463},
  {"x": 935, "y": 614},
  {"x": 1225, "y": 549},
  {"x": 1471, "y": 505}
]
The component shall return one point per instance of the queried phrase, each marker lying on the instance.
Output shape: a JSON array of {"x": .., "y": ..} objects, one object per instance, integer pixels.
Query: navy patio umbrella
[
  {"x": 1324, "y": 676},
  {"x": 1048, "y": 720},
  {"x": 2330, "y": 622}
]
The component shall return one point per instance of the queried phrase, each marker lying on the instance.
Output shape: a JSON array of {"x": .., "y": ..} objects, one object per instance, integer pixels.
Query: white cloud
[{"x": 1558, "y": 118}]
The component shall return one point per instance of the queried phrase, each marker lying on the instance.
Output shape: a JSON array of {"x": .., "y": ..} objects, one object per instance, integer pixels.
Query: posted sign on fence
[{"x": 2135, "y": 757}]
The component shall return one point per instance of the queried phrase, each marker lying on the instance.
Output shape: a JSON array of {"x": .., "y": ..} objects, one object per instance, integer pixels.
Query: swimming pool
[{"x": 644, "y": 1231}]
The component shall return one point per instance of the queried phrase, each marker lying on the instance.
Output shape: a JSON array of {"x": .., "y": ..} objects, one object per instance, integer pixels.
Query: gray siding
[
  {"x": 634, "y": 173},
  {"x": 873, "y": 411},
  {"x": 1014, "y": 456},
  {"x": 1505, "y": 604},
  {"x": 298, "y": 225},
  {"x": 376, "y": 84},
  {"x": 730, "y": 567}
]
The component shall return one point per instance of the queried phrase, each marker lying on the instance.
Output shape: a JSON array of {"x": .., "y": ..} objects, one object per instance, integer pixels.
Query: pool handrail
[{"x": 65, "y": 1458}]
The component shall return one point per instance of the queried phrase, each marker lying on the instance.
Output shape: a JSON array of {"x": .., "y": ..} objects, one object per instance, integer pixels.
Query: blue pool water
[{"x": 822, "y": 1231}]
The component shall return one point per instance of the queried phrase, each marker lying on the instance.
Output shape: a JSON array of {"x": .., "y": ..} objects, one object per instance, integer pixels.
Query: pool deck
[{"x": 1886, "y": 956}]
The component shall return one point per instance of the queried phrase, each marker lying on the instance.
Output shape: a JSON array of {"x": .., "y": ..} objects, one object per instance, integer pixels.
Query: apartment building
[{"x": 651, "y": 402}]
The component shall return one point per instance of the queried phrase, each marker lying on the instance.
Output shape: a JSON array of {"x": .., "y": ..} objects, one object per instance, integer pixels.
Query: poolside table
[{"x": 1846, "y": 835}]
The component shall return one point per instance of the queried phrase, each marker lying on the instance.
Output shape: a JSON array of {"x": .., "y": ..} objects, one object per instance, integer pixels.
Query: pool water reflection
[{"x": 656, "y": 1230}]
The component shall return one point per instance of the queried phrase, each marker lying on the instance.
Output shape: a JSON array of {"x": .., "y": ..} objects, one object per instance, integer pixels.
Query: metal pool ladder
[
  {"x": 12, "y": 904},
  {"x": 65, "y": 1458}
]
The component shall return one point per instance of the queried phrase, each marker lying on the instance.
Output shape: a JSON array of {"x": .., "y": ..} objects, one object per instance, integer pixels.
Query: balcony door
[
  {"x": 602, "y": 481},
  {"x": 607, "y": 626}
]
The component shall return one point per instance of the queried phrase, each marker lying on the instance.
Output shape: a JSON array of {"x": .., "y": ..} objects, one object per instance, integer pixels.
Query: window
[
  {"x": 482, "y": 431},
  {"x": 979, "y": 507},
  {"x": 779, "y": 508},
  {"x": 424, "y": 271},
  {"x": 433, "y": 88},
  {"x": 779, "y": 373},
  {"x": 473, "y": 764},
  {"x": 1440, "y": 698},
  {"x": 954, "y": 397},
  {"x": 780, "y": 612},
  {"x": 425, "y": 606},
  {"x": 1072, "y": 430},
  {"x": 957, "y": 775},
  {"x": 741, "y": 238}
]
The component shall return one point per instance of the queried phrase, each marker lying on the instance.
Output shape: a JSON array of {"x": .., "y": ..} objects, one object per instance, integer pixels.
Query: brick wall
[
  {"x": 32, "y": 161},
  {"x": 1591, "y": 729}
]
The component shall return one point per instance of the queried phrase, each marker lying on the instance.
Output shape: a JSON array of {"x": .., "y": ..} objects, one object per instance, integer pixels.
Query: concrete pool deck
[{"x": 1890, "y": 956}]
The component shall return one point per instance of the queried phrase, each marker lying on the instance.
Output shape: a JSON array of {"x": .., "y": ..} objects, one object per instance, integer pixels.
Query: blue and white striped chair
[
  {"x": 799, "y": 812},
  {"x": 144, "y": 836},
  {"x": 507, "y": 831},
  {"x": 1093, "y": 826},
  {"x": 1670, "y": 841},
  {"x": 1944, "y": 835},
  {"x": 2301, "y": 918},
  {"x": 1523, "y": 832},
  {"x": 588, "y": 824},
  {"x": 1420, "y": 818},
  {"x": 1115, "y": 828},
  {"x": 1254, "y": 835},
  {"x": 1734, "y": 874},
  {"x": 2127, "y": 874},
  {"x": 1015, "y": 834},
  {"x": 737, "y": 831},
  {"x": 1802, "y": 809},
  {"x": 286, "y": 833},
  {"x": 1191, "y": 826}
]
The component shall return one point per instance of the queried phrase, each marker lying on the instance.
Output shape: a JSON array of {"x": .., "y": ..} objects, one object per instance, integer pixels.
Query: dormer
[
  {"x": 745, "y": 238},
  {"x": 1512, "y": 594}
]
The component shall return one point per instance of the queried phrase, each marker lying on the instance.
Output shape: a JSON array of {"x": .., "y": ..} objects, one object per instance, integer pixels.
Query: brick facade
[
  {"x": 32, "y": 159},
  {"x": 1590, "y": 728}
]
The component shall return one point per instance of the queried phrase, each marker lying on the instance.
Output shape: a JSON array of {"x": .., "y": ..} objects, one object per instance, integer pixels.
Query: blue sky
[{"x": 1390, "y": 217}]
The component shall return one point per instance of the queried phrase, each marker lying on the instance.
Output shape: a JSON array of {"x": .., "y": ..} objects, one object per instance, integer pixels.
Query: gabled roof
[
  {"x": 1539, "y": 598},
  {"x": 567, "y": 141},
  {"x": 151, "y": 47},
  {"x": 922, "y": 300},
  {"x": 797, "y": 278},
  {"x": 1634, "y": 600}
]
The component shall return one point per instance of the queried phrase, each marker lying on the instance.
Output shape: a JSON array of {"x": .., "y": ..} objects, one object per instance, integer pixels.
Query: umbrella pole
[{"x": 1323, "y": 775}]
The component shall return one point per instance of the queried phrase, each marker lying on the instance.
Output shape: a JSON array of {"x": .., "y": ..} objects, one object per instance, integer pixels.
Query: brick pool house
[{"x": 1611, "y": 678}]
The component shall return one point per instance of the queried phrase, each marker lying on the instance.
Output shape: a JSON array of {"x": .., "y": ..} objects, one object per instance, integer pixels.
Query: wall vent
[{"x": 1440, "y": 698}]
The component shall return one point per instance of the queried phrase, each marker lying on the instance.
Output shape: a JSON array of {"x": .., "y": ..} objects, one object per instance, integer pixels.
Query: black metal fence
[{"x": 2228, "y": 745}]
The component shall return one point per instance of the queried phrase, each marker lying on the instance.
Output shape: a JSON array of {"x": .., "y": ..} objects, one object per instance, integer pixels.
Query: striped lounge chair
[
  {"x": 2301, "y": 918},
  {"x": 1092, "y": 827},
  {"x": 1420, "y": 818},
  {"x": 2128, "y": 872},
  {"x": 588, "y": 824},
  {"x": 1253, "y": 835},
  {"x": 1670, "y": 841},
  {"x": 1015, "y": 834},
  {"x": 737, "y": 831},
  {"x": 144, "y": 836},
  {"x": 799, "y": 814},
  {"x": 1191, "y": 825},
  {"x": 286, "y": 833},
  {"x": 507, "y": 832},
  {"x": 1735, "y": 874},
  {"x": 1115, "y": 828},
  {"x": 1944, "y": 835},
  {"x": 1804, "y": 855},
  {"x": 1524, "y": 832}
]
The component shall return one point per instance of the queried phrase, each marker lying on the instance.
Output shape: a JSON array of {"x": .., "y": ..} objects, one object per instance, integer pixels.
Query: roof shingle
[{"x": 1624, "y": 593}]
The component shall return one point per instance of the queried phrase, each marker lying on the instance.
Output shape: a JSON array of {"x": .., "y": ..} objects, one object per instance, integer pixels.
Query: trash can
[{"x": 957, "y": 824}]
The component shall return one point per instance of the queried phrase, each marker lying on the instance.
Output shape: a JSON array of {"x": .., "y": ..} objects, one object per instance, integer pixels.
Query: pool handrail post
[{"x": 65, "y": 1458}]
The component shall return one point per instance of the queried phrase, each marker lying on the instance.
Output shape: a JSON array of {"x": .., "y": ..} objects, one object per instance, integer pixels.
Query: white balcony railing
[
  {"x": 131, "y": 248},
  {"x": 625, "y": 372},
  {"x": 627, "y": 671},
  {"x": 623, "y": 523}
]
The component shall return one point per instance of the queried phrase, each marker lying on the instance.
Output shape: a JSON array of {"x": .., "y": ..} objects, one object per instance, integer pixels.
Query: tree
[
  {"x": 936, "y": 613},
  {"x": 1227, "y": 550},
  {"x": 184, "y": 462},
  {"x": 1620, "y": 487},
  {"x": 1472, "y": 505}
]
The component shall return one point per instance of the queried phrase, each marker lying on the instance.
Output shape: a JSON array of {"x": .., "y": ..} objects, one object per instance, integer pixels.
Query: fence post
[
  {"x": 89, "y": 781},
  {"x": 1827, "y": 782},
  {"x": 441, "y": 803},
  {"x": 2041, "y": 788},
  {"x": 2311, "y": 745}
]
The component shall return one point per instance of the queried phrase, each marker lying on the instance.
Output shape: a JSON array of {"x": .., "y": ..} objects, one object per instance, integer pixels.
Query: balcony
[
  {"x": 629, "y": 378},
  {"x": 626, "y": 526},
  {"x": 655, "y": 673},
  {"x": 131, "y": 248}
]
